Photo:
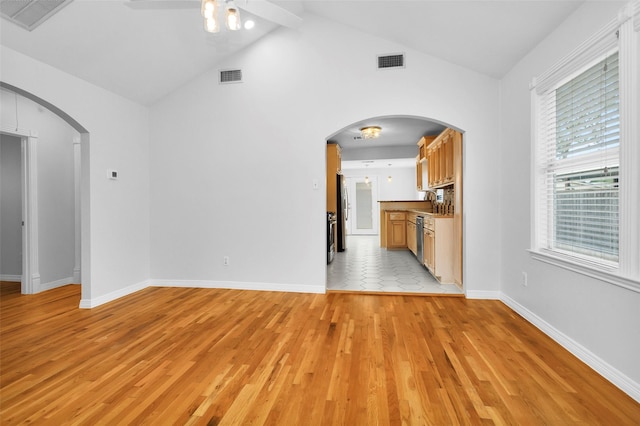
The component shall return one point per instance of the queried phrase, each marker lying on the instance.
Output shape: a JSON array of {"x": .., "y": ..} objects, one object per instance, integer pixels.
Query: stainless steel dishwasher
[{"x": 420, "y": 238}]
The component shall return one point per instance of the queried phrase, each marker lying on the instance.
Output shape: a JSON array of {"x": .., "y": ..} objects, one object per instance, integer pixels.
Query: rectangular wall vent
[
  {"x": 391, "y": 61},
  {"x": 30, "y": 14},
  {"x": 230, "y": 76}
]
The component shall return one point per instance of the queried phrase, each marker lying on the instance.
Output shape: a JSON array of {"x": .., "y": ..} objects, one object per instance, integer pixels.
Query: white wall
[
  {"x": 117, "y": 212},
  {"x": 597, "y": 318},
  {"x": 56, "y": 191},
  {"x": 401, "y": 187},
  {"x": 10, "y": 209},
  {"x": 232, "y": 165}
]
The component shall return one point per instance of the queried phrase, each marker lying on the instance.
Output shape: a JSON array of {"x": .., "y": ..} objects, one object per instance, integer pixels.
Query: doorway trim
[
  {"x": 85, "y": 202},
  {"x": 30, "y": 280},
  {"x": 375, "y": 213}
]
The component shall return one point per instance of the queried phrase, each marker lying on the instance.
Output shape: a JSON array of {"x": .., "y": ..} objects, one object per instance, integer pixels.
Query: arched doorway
[
  {"x": 392, "y": 160},
  {"x": 30, "y": 239}
]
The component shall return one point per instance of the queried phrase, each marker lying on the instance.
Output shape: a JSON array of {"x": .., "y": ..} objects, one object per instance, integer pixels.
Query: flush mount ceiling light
[
  {"x": 211, "y": 12},
  {"x": 370, "y": 132}
]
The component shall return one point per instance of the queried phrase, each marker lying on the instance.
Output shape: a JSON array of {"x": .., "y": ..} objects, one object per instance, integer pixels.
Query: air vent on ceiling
[
  {"x": 30, "y": 14},
  {"x": 230, "y": 76},
  {"x": 391, "y": 61}
]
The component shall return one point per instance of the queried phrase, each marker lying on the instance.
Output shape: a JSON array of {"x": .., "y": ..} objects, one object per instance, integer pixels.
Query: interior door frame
[
  {"x": 351, "y": 188},
  {"x": 30, "y": 280}
]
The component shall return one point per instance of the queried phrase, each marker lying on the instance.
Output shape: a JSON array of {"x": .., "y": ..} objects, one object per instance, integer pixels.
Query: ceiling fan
[{"x": 260, "y": 8}]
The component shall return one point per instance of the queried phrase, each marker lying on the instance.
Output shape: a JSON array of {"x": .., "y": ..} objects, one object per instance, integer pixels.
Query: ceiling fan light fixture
[
  {"x": 211, "y": 25},
  {"x": 232, "y": 17},
  {"x": 370, "y": 132},
  {"x": 209, "y": 9}
]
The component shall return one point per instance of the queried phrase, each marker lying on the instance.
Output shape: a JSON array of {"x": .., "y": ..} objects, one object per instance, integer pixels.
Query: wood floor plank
[{"x": 213, "y": 357}]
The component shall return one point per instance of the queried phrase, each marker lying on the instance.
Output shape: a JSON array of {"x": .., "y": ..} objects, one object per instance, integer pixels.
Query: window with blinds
[
  {"x": 579, "y": 161},
  {"x": 585, "y": 174}
]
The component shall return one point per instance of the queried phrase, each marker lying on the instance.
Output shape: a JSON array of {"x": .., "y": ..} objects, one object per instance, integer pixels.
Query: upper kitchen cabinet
[
  {"x": 441, "y": 159},
  {"x": 418, "y": 174},
  {"x": 334, "y": 167},
  {"x": 423, "y": 143},
  {"x": 421, "y": 162}
]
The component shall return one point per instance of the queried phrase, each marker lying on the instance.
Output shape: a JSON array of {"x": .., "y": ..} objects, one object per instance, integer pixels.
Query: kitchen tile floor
[{"x": 367, "y": 267}]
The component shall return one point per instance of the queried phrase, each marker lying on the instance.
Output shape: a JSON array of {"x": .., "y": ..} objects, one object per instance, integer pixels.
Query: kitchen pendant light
[{"x": 370, "y": 132}]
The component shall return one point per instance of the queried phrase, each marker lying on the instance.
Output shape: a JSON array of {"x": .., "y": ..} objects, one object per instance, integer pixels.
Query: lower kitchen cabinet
[
  {"x": 439, "y": 248},
  {"x": 396, "y": 229},
  {"x": 411, "y": 233}
]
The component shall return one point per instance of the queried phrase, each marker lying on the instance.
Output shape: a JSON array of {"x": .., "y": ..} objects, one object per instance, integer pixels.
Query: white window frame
[{"x": 626, "y": 272}]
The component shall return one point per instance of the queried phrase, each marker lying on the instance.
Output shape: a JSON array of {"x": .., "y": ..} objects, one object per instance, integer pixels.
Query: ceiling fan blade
[
  {"x": 271, "y": 12},
  {"x": 163, "y": 4}
]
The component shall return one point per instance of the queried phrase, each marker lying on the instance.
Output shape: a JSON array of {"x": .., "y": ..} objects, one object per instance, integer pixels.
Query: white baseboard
[
  {"x": 481, "y": 294},
  {"x": 109, "y": 297},
  {"x": 627, "y": 385},
  {"x": 233, "y": 285},
  {"x": 53, "y": 284},
  {"x": 12, "y": 278},
  {"x": 237, "y": 285}
]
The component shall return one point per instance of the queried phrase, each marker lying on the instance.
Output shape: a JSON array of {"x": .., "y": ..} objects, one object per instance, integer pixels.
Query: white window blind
[
  {"x": 585, "y": 176},
  {"x": 579, "y": 132}
]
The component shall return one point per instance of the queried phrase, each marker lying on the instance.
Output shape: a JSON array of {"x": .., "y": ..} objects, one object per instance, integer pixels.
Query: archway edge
[
  {"x": 51, "y": 107},
  {"x": 85, "y": 205},
  {"x": 367, "y": 120}
]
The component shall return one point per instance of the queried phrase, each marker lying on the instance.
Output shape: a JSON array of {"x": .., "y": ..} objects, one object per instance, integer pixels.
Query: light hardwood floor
[{"x": 199, "y": 356}]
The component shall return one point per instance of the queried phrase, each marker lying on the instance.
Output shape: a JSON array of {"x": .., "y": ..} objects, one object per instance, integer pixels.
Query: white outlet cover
[{"x": 112, "y": 174}]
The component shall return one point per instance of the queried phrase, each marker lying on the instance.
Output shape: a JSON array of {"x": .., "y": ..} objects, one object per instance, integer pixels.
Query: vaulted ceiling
[{"x": 145, "y": 53}]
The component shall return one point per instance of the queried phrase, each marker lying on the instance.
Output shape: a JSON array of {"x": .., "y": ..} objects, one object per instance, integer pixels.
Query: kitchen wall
[
  {"x": 10, "y": 209},
  {"x": 116, "y": 213},
  {"x": 597, "y": 320},
  {"x": 55, "y": 187},
  {"x": 401, "y": 187},
  {"x": 233, "y": 166}
]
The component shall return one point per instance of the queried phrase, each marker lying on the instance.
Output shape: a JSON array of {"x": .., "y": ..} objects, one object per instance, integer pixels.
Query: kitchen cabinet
[
  {"x": 404, "y": 206},
  {"x": 421, "y": 162},
  {"x": 423, "y": 144},
  {"x": 439, "y": 247},
  {"x": 428, "y": 249},
  {"x": 396, "y": 229},
  {"x": 412, "y": 232},
  {"x": 441, "y": 160},
  {"x": 418, "y": 174}
]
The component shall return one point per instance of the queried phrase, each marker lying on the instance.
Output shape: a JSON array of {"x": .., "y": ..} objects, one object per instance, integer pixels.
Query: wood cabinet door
[
  {"x": 448, "y": 159},
  {"x": 418, "y": 174},
  {"x": 429, "y": 250},
  {"x": 398, "y": 234},
  {"x": 411, "y": 237}
]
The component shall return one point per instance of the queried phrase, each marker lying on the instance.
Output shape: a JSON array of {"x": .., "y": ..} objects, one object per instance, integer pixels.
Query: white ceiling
[
  {"x": 486, "y": 36},
  {"x": 144, "y": 54},
  {"x": 396, "y": 131}
]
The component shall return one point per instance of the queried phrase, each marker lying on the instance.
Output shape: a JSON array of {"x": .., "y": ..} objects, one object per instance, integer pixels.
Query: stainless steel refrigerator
[{"x": 342, "y": 213}]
